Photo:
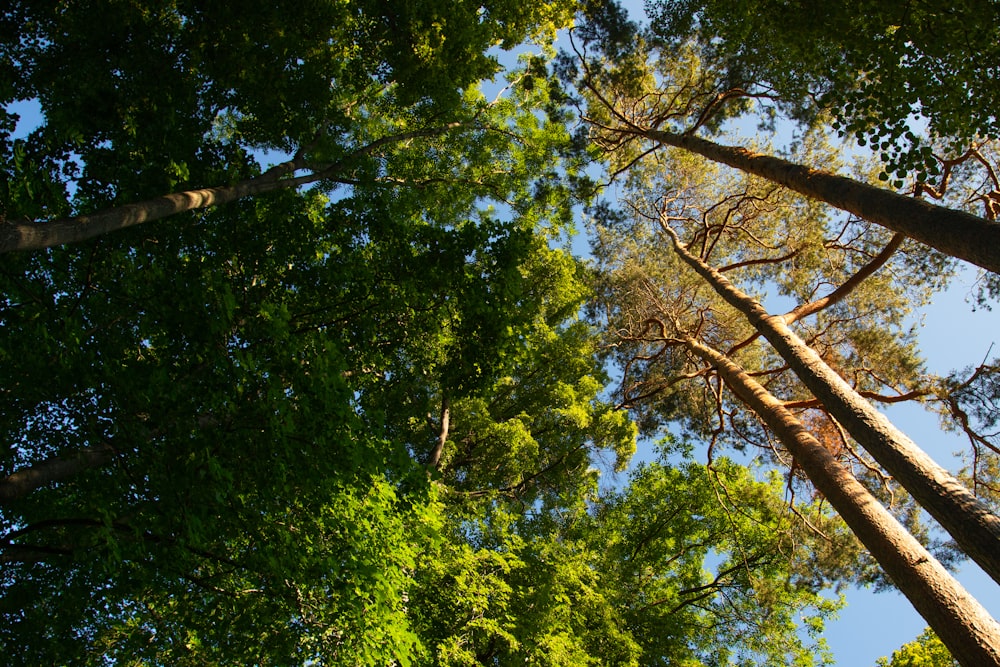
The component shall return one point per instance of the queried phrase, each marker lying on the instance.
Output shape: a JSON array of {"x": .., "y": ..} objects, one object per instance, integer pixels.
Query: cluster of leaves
[
  {"x": 880, "y": 71},
  {"x": 924, "y": 651},
  {"x": 688, "y": 564}
]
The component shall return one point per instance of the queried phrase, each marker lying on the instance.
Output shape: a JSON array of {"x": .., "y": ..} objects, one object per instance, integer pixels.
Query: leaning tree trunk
[
  {"x": 953, "y": 232},
  {"x": 37, "y": 235},
  {"x": 965, "y": 627},
  {"x": 973, "y": 526},
  {"x": 20, "y": 483}
]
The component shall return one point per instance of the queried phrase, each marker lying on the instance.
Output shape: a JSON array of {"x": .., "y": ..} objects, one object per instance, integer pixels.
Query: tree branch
[
  {"x": 849, "y": 285},
  {"x": 20, "y": 483},
  {"x": 38, "y": 235}
]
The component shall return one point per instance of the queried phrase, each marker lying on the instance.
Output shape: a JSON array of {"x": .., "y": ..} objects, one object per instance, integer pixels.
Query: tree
[
  {"x": 173, "y": 98},
  {"x": 207, "y": 457},
  {"x": 266, "y": 497},
  {"x": 965, "y": 517},
  {"x": 653, "y": 538},
  {"x": 924, "y": 651},
  {"x": 919, "y": 576},
  {"x": 683, "y": 564},
  {"x": 642, "y": 94},
  {"x": 673, "y": 327},
  {"x": 872, "y": 69},
  {"x": 637, "y": 98}
]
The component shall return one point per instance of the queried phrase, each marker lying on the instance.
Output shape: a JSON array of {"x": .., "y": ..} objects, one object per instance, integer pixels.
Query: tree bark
[
  {"x": 965, "y": 627},
  {"x": 37, "y": 235},
  {"x": 953, "y": 232},
  {"x": 969, "y": 521},
  {"x": 442, "y": 439},
  {"x": 20, "y": 483}
]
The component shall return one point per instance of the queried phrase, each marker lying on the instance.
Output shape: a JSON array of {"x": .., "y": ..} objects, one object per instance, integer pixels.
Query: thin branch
[{"x": 849, "y": 285}]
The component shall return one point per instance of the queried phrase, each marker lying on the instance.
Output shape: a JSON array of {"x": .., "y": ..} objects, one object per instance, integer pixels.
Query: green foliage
[
  {"x": 685, "y": 565},
  {"x": 360, "y": 423},
  {"x": 875, "y": 69},
  {"x": 924, "y": 651},
  {"x": 142, "y": 99},
  {"x": 253, "y": 374},
  {"x": 971, "y": 407},
  {"x": 770, "y": 243},
  {"x": 712, "y": 567},
  {"x": 791, "y": 254}
]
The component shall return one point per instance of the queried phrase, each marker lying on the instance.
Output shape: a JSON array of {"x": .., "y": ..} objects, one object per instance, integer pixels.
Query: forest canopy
[{"x": 303, "y": 363}]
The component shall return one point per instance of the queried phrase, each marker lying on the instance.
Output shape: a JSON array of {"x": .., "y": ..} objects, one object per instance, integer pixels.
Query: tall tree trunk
[
  {"x": 965, "y": 627},
  {"x": 965, "y": 517},
  {"x": 37, "y": 235},
  {"x": 953, "y": 232}
]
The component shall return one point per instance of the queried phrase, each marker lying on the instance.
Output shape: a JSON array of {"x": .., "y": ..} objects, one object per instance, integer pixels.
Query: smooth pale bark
[
  {"x": 20, "y": 483},
  {"x": 965, "y": 627},
  {"x": 974, "y": 527},
  {"x": 38, "y": 235},
  {"x": 435, "y": 458},
  {"x": 953, "y": 232}
]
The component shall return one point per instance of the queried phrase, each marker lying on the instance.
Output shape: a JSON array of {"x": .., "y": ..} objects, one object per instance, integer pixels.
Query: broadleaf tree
[{"x": 341, "y": 410}]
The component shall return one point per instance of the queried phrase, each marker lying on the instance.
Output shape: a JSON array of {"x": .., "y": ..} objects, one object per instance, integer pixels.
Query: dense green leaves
[
  {"x": 358, "y": 419},
  {"x": 924, "y": 651},
  {"x": 170, "y": 95},
  {"x": 879, "y": 71},
  {"x": 713, "y": 567},
  {"x": 219, "y": 465},
  {"x": 683, "y": 565}
]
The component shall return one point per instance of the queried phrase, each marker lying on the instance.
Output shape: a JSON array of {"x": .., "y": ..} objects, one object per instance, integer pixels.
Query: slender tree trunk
[
  {"x": 38, "y": 235},
  {"x": 965, "y": 517},
  {"x": 965, "y": 627},
  {"x": 953, "y": 232},
  {"x": 442, "y": 439}
]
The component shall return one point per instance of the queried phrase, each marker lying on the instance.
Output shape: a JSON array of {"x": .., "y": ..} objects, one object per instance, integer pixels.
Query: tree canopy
[
  {"x": 924, "y": 651},
  {"x": 874, "y": 69},
  {"x": 300, "y": 367}
]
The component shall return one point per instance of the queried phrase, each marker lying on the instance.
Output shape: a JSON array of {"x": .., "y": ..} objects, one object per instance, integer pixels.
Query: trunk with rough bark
[
  {"x": 953, "y": 232},
  {"x": 969, "y": 521},
  {"x": 965, "y": 627}
]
